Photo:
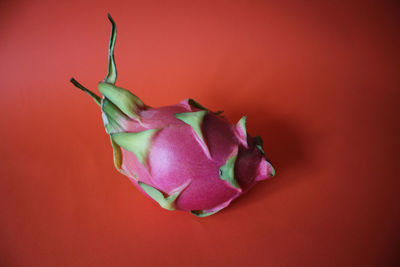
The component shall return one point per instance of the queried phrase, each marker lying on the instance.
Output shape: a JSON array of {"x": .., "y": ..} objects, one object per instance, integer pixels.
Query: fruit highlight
[{"x": 184, "y": 156}]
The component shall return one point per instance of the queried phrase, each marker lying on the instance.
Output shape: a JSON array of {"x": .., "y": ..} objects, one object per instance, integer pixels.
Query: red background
[{"x": 318, "y": 79}]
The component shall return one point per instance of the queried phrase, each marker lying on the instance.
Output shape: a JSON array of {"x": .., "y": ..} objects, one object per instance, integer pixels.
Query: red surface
[{"x": 320, "y": 83}]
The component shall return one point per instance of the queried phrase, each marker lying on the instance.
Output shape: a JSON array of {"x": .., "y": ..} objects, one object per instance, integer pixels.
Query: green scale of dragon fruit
[{"x": 183, "y": 156}]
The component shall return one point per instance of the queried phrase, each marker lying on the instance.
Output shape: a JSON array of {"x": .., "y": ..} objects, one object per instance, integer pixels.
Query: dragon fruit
[{"x": 184, "y": 156}]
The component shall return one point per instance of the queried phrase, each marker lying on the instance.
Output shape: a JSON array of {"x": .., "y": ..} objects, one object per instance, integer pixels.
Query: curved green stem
[{"x": 112, "y": 69}]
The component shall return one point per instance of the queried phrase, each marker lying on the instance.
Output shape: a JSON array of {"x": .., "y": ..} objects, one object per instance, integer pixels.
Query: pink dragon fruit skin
[{"x": 184, "y": 156}]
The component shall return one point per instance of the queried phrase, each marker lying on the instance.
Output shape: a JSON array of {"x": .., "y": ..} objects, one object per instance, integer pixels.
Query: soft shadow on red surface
[{"x": 319, "y": 82}]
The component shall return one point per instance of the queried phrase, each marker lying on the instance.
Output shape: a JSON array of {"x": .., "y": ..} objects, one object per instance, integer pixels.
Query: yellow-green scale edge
[
  {"x": 227, "y": 171},
  {"x": 195, "y": 120},
  {"x": 167, "y": 203},
  {"x": 137, "y": 143}
]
